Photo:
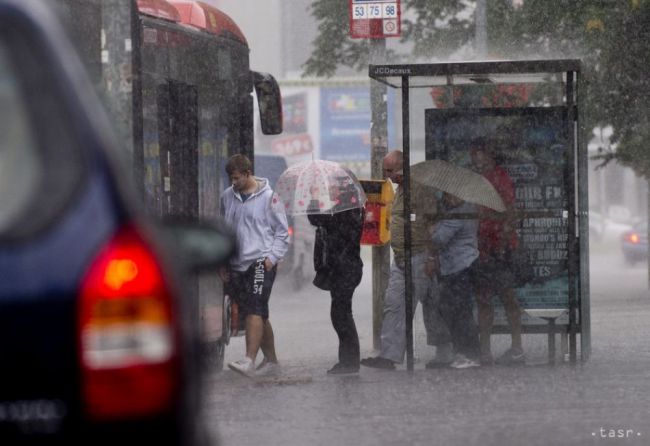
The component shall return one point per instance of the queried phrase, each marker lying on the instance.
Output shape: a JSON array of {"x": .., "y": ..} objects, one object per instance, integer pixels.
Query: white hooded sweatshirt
[{"x": 261, "y": 230}]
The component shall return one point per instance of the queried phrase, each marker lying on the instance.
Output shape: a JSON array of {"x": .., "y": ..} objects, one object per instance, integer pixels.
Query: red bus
[{"x": 192, "y": 100}]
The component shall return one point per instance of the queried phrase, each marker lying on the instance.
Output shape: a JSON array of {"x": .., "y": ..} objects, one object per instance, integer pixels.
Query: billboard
[
  {"x": 345, "y": 124},
  {"x": 531, "y": 146}
]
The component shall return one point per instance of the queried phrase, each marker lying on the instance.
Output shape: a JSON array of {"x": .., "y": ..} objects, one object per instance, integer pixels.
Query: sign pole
[
  {"x": 376, "y": 20},
  {"x": 379, "y": 148}
]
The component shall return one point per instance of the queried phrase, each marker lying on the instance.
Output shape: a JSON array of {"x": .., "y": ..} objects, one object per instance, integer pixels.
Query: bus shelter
[{"x": 527, "y": 111}]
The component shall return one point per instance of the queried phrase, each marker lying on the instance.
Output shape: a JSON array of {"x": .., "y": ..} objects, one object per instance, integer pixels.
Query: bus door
[{"x": 178, "y": 127}]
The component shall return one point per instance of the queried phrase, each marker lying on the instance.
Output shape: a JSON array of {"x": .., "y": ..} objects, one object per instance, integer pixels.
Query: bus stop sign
[{"x": 375, "y": 19}]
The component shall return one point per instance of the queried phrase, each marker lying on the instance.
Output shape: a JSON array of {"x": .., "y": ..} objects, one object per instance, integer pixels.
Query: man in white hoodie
[{"x": 262, "y": 241}]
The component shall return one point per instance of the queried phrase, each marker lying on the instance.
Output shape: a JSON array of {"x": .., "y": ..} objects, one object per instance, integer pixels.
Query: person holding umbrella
[
  {"x": 338, "y": 265},
  {"x": 333, "y": 199},
  {"x": 457, "y": 243},
  {"x": 455, "y": 238}
]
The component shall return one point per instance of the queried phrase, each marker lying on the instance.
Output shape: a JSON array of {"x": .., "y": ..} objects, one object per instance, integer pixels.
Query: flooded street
[{"x": 605, "y": 400}]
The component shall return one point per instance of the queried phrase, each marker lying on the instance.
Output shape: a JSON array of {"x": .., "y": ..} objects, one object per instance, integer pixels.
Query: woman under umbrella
[{"x": 338, "y": 264}]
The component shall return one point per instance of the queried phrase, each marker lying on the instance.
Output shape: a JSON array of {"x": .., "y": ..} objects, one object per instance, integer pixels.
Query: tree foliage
[
  {"x": 332, "y": 47},
  {"x": 430, "y": 23},
  {"x": 611, "y": 37}
]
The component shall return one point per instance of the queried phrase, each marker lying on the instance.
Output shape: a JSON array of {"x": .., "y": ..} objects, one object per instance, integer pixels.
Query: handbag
[
  {"x": 323, "y": 273},
  {"x": 323, "y": 279}
]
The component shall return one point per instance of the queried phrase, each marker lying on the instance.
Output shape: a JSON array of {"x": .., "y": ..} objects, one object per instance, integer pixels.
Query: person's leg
[
  {"x": 268, "y": 343},
  {"x": 254, "y": 334},
  {"x": 447, "y": 309},
  {"x": 484, "y": 277},
  {"x": 346, "y": 330},
  {"x": 466, "y": 330},
  {"x": 259, "y": 332},
  {"x": 427, "y": 291},
  {"x": 485, "y": 319},
  {"x": 238, "y": 287},
  {"x": 513, "y": 312},
  {"x": 393, "y": 336}
]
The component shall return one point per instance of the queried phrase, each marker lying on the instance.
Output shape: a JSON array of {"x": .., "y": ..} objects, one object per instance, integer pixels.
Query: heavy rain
[{"x": 353, "y": 222}]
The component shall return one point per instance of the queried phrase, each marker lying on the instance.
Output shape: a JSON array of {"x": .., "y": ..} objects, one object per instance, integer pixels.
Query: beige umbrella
[{"x": 459, "y": 181}]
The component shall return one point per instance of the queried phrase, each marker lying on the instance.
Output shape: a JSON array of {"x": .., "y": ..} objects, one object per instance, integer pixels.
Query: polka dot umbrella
[{"x": 318, "y": 187}]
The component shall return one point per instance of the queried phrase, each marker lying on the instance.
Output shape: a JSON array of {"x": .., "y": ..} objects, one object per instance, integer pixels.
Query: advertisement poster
[
  {"x": 530, "y": 146},
  {"x": 345, "y": 124}
]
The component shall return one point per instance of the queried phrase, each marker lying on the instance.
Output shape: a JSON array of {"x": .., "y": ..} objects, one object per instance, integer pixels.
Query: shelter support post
[
  {"x": 406, "y": 185},
  {"x": 573, "y": 265}
]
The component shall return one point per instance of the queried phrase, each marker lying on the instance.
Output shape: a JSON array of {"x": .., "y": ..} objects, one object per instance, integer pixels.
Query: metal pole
[
  {"x": 583, "y": 209},
  {"x": 572, "y": 240},
  {"x": 406, "y": 184},
  {"x": 379, "y": 148}
]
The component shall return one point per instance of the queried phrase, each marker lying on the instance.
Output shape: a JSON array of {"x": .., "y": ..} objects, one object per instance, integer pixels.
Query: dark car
[
  {"x": 98, "y": 326},
  {"x": 634, "y": 243}
]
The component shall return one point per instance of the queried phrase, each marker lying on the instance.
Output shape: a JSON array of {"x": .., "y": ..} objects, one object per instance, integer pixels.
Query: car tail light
[
  {"x": 290, "y": 231},
  {"x": 127, "y": 332},
  {"x": 633, "y": 238}
]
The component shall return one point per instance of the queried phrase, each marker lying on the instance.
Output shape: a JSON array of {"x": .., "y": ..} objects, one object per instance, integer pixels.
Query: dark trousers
[
  {"x": 343, "y": 323},
  {"x": 456, "y": 307}
]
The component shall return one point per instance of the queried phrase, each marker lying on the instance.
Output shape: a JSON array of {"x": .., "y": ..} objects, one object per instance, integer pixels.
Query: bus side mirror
[{"x": 269, "y": 100}]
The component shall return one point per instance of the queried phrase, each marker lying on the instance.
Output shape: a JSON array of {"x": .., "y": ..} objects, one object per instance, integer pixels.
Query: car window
[{"x": 20, "y": 167}]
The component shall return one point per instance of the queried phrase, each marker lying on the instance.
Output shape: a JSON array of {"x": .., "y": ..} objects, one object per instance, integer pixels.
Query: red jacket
[{"x": 491, "y": 232}]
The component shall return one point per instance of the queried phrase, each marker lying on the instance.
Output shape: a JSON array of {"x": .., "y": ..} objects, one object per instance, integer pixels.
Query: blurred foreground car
[
  {"x": 98, "y": 328},
  {"x": 634, "y": 243}
]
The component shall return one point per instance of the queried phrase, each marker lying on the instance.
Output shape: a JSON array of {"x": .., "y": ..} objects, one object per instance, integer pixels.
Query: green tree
[
  {"x": 611, "y": 37},
  {"x": 434, "y": 24},
  {"x": 624, "y": 85}
]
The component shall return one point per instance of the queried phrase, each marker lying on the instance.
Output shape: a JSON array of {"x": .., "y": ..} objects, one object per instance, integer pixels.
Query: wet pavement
[{"x": 604, "y": 401}]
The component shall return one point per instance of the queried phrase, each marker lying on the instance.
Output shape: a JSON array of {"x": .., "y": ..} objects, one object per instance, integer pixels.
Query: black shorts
[
  {"x": 251, "y": 289},
  {"x": 494, "y": 273}
]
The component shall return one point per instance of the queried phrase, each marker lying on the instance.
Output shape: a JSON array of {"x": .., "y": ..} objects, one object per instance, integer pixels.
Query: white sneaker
[
  {"x": 463, "y": 362},
  {"x": 268, "y": 368},
  {"x": 245, "y": 366}
]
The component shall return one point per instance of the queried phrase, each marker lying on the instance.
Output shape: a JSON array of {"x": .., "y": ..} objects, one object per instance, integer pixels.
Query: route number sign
[{"x": 375, "y": 19}]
